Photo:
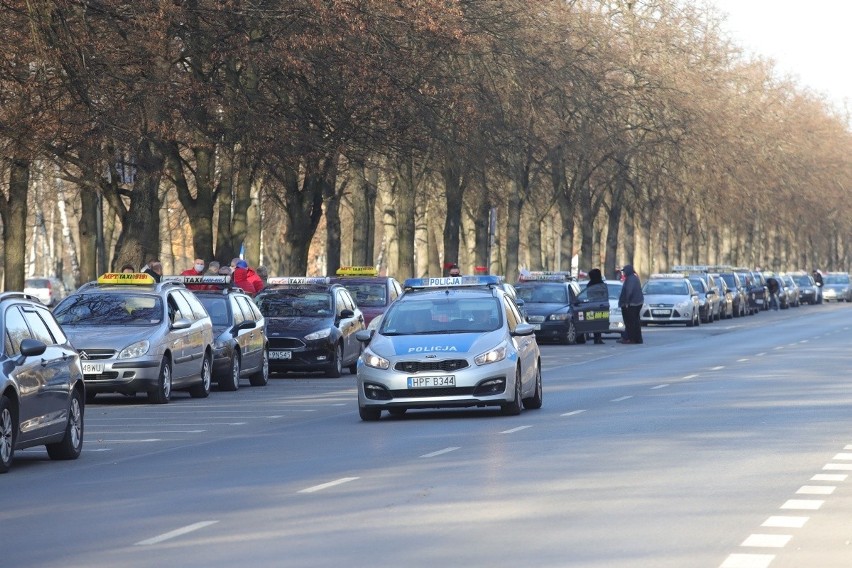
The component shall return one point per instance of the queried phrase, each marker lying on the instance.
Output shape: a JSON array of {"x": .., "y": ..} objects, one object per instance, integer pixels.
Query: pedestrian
[
  {"x": 213, "y": 268},
  {"x": 455, "y": 271},
  {"x": 817, "y": 274},
  {"x": 154, "y": 270},
  {"x": 196, "y": 270},
  {"x": 596, "y": 290},
  {"x": 246, "y": 278},
  {"x": 128, "y": 269},
  {"x": 630, "y": 301},
  {"x": 772, "y": 288}
]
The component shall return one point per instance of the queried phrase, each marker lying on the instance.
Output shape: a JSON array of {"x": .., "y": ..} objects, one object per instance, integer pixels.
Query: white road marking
[
  {"x": 621, "y": 398},
  {"x": 803, "y": 341},
  {"x": 830, "y": 477},
  {"x": 97, "y": 450},
  {"x": 837, "y": 467},
  {"x": 322, "y": 486},
  {"x": 779, "y": 348},
  {"x": 719, "y": 368},
  {"x": 848, "y": 447},
  {"x": 518, "y": 429},
  {"x": 659, "y": 387},
  {"x": 816, "y": 490},
  {"x": 440, "y": 452},
  {"x": 742, "y": 360},
  {"x": 145, "y": 441},
  {"x": 748, "y": 561},
  {"x": 760, "y": 354},
  {"x": 686, "y": 378},
  {"x": 176, "y": 533},
  {"x": 138, "y": 432},
  {"x": 804, "y": 504},
  {"x": 842, "y": 457},
  {"x": 572, "y": 413},
  {"x": 767, "y": 540},
  {"x": 783, "y": 522}
]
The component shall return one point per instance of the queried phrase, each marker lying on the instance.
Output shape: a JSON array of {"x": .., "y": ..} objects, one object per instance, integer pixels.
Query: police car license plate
[
  {"x": 661, "y": 312},
  {"x": 280, "y": 354},
  {"x": 431, "y": 382},
  {"x": 92, "y": 368}
]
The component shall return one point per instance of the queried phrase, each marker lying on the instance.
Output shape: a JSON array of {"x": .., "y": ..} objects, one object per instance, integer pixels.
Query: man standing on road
[{"x": 631, "y": 300}]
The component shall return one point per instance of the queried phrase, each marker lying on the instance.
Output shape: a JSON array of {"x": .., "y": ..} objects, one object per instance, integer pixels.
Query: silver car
[
  {"x": 836, "y": 287},
  {"x": 670, "y": 298},
  {"x": 449, "y": 342},
  {"x": 134, "y": 335}
]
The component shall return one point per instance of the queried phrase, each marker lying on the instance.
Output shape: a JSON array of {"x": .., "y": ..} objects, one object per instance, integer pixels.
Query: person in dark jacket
[
  {"x": 155, "y": 270},
  {"x": 596, "y": 290},
  {"x": 772, "y": 288},
  {"x": 631, "y": 300}
]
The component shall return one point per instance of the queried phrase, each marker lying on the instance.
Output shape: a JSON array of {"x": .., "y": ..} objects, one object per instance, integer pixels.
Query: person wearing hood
[
  {"x": 596, "y": 290},
  {"x": 246, "y": 278},
  {"x": 631, "y": 300}
]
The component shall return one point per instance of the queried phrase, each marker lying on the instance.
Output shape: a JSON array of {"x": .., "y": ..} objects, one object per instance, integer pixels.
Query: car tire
[
  {"x": 261, "y": 377},
  {"x": 570, "y": 337},
  {"x": 513, "y": 408},
  {"x": 163, "y": 392},
  {"x": 231, "y": 381},
  {"x": 534, "y": 402},
  {"x": 71, "y": 445},
  {"x": 369, "y": 414},
  {"x": 8, "y": 434},
  {"x": 335, "y": 368},
  {"x": 202, "y": 389}
]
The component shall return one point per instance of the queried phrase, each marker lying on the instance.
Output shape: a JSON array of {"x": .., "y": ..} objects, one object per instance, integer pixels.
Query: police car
[
  {"x": 559, "y": 309},
  {"x": 449, "y": 342},
  {"x": 670, "y": 298},
  {"x": 310, "y": 325},
  {"x": 372, "y": 293}
]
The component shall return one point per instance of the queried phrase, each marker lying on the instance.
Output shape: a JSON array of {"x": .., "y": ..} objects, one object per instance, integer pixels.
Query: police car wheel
[
  {"x": 369, "y": 414},
  {"x": 513, "y": 408},
  {"x": 534, "y": 402}
]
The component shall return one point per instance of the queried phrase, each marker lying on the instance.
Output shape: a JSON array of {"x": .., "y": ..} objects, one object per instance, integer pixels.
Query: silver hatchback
[{"x": 135, "y": 335}]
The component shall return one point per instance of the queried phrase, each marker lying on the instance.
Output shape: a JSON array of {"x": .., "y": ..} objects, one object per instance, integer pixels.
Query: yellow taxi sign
[
  {"x": 357, "y": 271},
  {"x": 126, "y": 278}
]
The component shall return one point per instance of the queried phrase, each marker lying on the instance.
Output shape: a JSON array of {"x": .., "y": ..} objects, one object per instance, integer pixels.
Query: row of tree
[{"x": 505, "y": 133}]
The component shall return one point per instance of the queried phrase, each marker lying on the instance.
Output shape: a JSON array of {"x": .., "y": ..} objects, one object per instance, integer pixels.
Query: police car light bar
[
  {"x": 357, "y": 271},
  {"x": 126, "y": 278},
  {"x": 451, "y": 282},
  {"x": 545, "y": 275},
  {"x": 211, "y": 279},
  {"x": 296, "y": 280}
]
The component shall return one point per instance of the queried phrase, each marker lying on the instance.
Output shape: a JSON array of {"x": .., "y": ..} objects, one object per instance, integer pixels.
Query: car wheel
[
  {"x": 691, "y": 322},
  {"x": 163, "y": 392},
  {"x": 534, "y": 402},
  {"x": 261, "y": 377},
  {"x": 397, "y": 412},
  {"x": 7, "y": 434},
  {"x": 570, "y": 337},
  {"x": 72, "y": 444},
  {"x": 202, "y": 390},
  {"x": 369, "y": 414},
  {"x": 335, "y": 368},
  {"x": 232, "y": 381},
  {"x": 513, "y": 408}
]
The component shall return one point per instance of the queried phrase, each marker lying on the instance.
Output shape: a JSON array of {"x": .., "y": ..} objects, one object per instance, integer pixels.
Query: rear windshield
[
  {"x": 542, "y": 293},
  {"x": 368, "y": 294},
  {"x": 37, "y": 283},
  {"x": 217, "y": 307}
]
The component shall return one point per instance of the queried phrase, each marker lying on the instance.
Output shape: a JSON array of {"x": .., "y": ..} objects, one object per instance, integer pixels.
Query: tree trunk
[
  {"x": 13, "y": 210},
  {"x": 199, "y": 209},
  {"x": 333, "y": 231},
  {"x": 454, "y": 187},
  {"x": 405, "y": 212},
  {"x": 363, "y": 197}
]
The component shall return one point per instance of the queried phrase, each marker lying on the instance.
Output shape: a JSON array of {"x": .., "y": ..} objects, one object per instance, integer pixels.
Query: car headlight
[
  {"x": 321, "y": 334},
  {"x": 496, "y": 354},
  {"x": 372, "y": 360},
  {"x": 683, "y": 306},
  {"x": 560, "y": 316},
  {"x": 134, "y": 350}
]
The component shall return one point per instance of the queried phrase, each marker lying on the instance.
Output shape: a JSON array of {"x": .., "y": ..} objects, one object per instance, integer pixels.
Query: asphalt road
[{"x": 726, "y": 445}]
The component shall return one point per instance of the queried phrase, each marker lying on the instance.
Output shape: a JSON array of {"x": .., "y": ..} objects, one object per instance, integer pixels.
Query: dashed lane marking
[
  {"x": 176, "y": 533},
  {"x": 572, "y": 413},
  {"x": 830, "y": 477},
  {"x": 719, "y": 368},
  {"x": 767, "y": 540},
  {"x": 659, "y": 386},
  {"x": 518, "y": 429},
  {"x": 837, "y": 467},
  {"x": 783, "y": 522},
  {"x": 748, "y": 561},
  {"x": 686, "y": 378},
  {"x": 621, "y": 398},
  {"x": 440, "y": 452},
  {"x": 816, "y": 490},
  {"x": 803, "y": 504},
  {"x": 322, "y": 486}
]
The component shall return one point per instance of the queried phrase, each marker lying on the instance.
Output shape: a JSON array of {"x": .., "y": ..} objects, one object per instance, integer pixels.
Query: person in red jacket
[
  {"x": 196, "y": 270},
  {"x": 246, "y": 278}
]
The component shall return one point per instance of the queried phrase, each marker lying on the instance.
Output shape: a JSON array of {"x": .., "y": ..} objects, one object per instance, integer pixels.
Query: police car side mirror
[{"x": 365, "y": 335}]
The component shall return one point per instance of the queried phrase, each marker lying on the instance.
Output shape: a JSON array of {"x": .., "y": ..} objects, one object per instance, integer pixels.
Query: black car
[
  {"x": 738, "y": 293},
  {"x": 558, "y": 308},
  {"x": 310, "y": 325},
  {"x": 239, "y": 336},
  {"x": 42, "y": 398},
  {"x": 809, "y": 292}
]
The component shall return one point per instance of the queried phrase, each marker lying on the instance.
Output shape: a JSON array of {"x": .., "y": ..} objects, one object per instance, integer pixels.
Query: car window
[
  {"x": 513, "y": 316},
  {"x": 216, "y": 308},
  {"x": 248, "y": 310},
  {"x": 16, "y": 330},
  {"x": 442, "y": 315},
  {"x": 198, "y": 310},
  {"x": 368, "y": 294},
  {"x": 295, "y": 303},
  {"x": 543, "y": 294},
  {"x": 239, "y": 314},
  {"x": 38, "y": 328},
  {"x": 179, "y": 308}
]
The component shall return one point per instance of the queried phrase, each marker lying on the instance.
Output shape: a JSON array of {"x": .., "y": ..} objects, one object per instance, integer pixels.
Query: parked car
[
  {"x": 709, "y": 303},
  {"x": 371, "y": 292},
  {"x": 49, "y": 291},
  {"x": 836, "y": 287},
  {"x": 809, "y": 292},
  {"x": 752, "y": 291},
  {"x": 738, "y": 294},
  {"x": 42, "y": 393},
  {"x": 669, "y": 298},
  {"x": 793, "y": 292},
  {"x": 136, "y": 335},
  {"x": 726, "y": 298}
]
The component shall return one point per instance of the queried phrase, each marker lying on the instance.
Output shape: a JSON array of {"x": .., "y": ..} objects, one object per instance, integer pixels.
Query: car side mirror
[
  {"x": 181, "y": 323},
  {"x": 346, "y": 313},
  {"x": 246, "y": 324},
  {"x": 365, "y": 335},
  {"x": 32, "y": 347}
]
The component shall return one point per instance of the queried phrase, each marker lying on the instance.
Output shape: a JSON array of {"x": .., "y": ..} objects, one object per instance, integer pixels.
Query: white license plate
[
  {"x": 661, "y": 312},
  {"x": 431, "y": 382},
  {"x": 758, "y": 300},
  {"x": 536, "y": 326},
  {"x": 280, "y": 354},
  {"x": 93, "y": 368}
]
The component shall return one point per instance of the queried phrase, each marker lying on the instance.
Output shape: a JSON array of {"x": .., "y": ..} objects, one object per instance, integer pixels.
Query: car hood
[
  {"x": 443, "y": 346},
  {"x": 545, "y": 309},
  {"x": 295, "y": 326},
  {"x": 106, "y": 337}
]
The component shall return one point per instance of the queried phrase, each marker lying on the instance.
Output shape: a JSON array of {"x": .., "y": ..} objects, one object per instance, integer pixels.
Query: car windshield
[
  {"x": 666, "y": 288},
  {"x": 368, "y": 294},
  {"x": 803, "y": 280},
  {"x": 295, "y": 303},
  {"x": 37, "y": 283},
  {"x": 110, "y": 309},
  {"x": 729, "y": 280},
  {"x": 217, "y": 307},
  {"x": 614, "y": 290},
  {"x": 698, "y": 284},
  {"x": 441, "y": 316},
  {"x": 542, "y": 293},
  {"x": 836, "y": 279}
]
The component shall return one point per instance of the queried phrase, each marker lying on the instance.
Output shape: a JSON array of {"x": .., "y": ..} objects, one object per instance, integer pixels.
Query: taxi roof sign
[
  {"x": 357, "y": 271},
  {"x": 297, "y": 280},
  {"x": 204, "y": 279},
  {"x": 134, "y": 278},
  {"x": 701, "y": 268},
  {"x": 668, "y": 275},
  {"x": 451, "y": 282},
  {"x": 552, "y": 276}
]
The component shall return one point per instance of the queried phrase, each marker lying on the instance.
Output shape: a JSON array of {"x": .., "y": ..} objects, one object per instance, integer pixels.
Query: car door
[
  {"x": 348, "y": 325},
  {"x": 251, "y": 340},
  {"x": 591, "y": 314},
  {"x": 187, "y": 340},
  {"x": 525, "y": 345}
]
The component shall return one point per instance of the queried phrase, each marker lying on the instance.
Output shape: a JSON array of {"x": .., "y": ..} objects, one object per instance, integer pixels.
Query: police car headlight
[
  {"x": 496, "y": 354},
  {"x": 135, "y": 350},
  {"x": 321, "y": 334},
  {"x": 559, "y": 317},
  {"x": 372, "y": 360}
]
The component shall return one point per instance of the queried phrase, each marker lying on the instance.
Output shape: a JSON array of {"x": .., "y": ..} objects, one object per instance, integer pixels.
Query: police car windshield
[
  {"x": 295, "y": 303},
  {"x": 442, "y": 316},
  {"x": 542, "y": 293},
  {"x": 110, "y": 309},
  {"x": 217, "y": 307},
  {"x": 368, "y": 294}
]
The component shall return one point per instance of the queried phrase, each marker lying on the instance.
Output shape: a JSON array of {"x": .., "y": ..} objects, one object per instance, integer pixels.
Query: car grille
[
  {"x": 660, "y": 305},
  {"x": 285, "y": 343},
  {"x": 92, "y": 354},
  {"x": 111, "y": 376},
  {"x": 425, "y": 366},
  {"x": 535, "y": 319},
  {"x": 432, "y": 393}
]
